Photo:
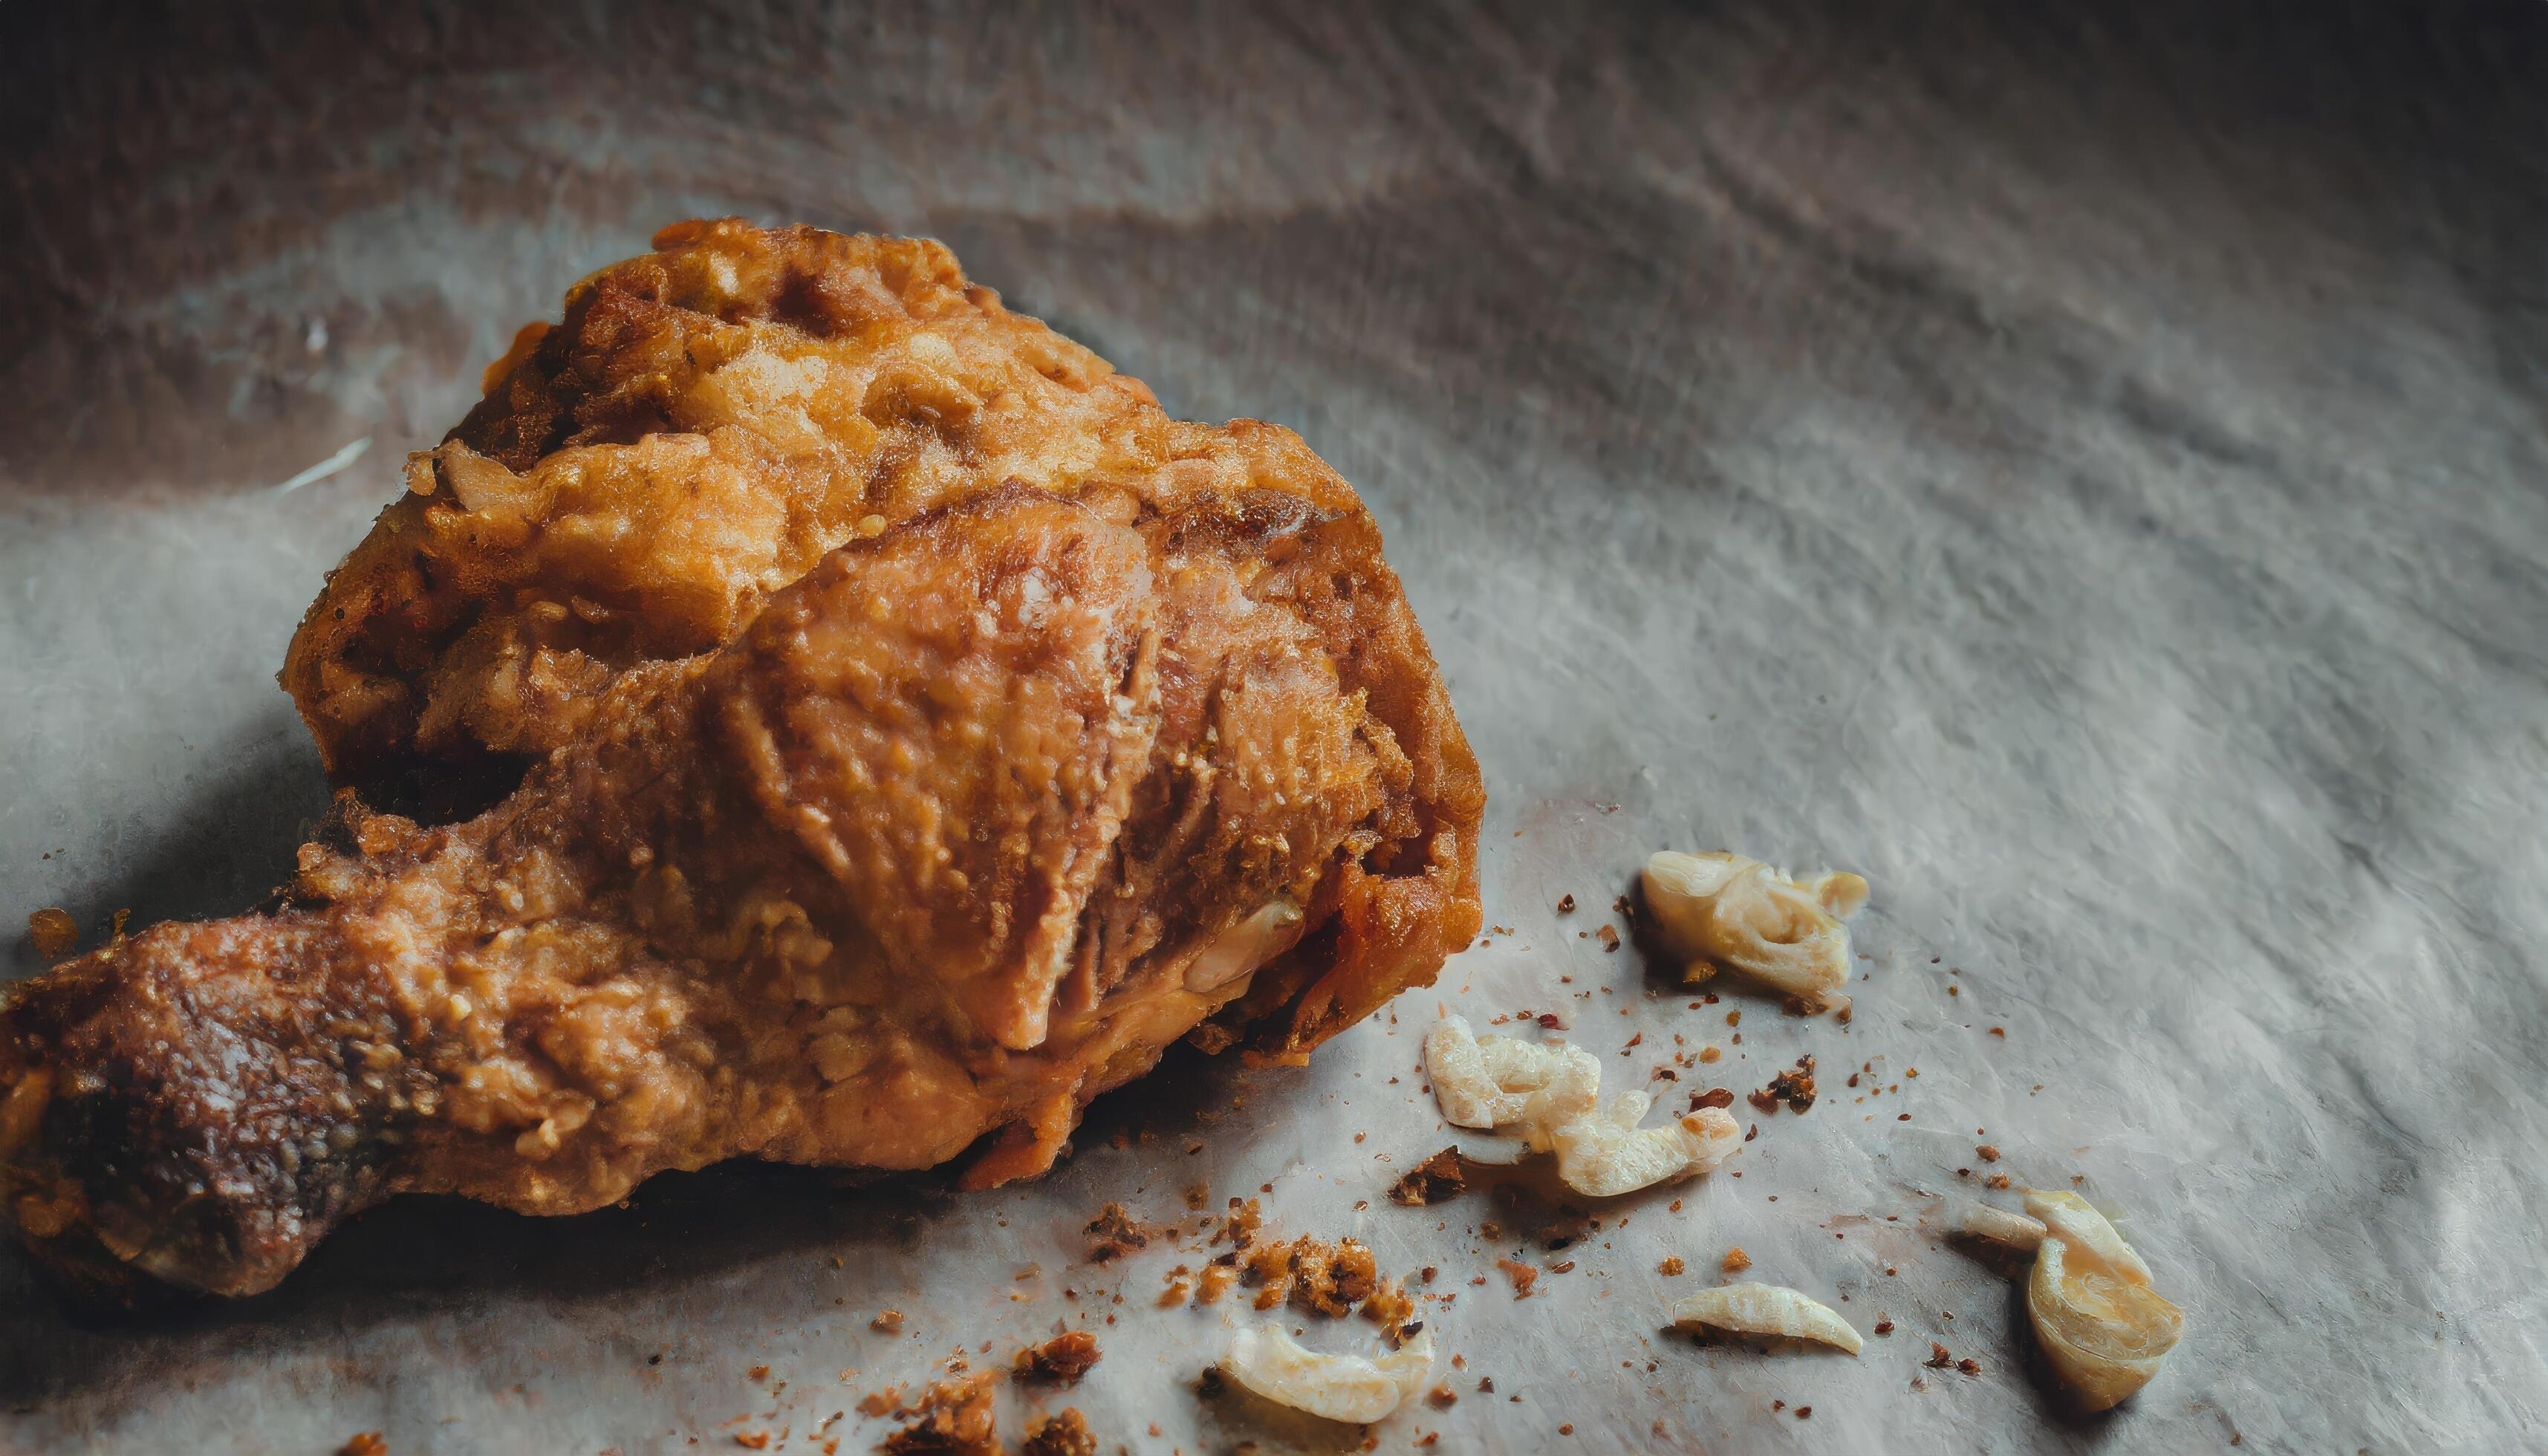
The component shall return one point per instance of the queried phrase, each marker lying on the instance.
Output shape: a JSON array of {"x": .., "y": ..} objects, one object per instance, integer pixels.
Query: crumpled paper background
[{"x": 2084, "y": 474}]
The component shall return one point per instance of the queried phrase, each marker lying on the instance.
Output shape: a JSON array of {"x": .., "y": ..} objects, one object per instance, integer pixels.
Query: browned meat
[{"x": 962, "y": 829}]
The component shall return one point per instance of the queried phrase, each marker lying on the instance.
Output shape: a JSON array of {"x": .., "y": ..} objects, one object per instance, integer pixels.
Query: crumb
[
  {"x": 1671, "y": 1268},
  {"x": 1763, "y": 1099},
  {"x": 1711, "y": 1053},
  {"x": 1565, "y": 904},
  {"x": 361, "y": 1443},
  {"x": 1199, "y": 1197},
  {"x": 1240, "y": 1229},
  {"x": 53, "y": 931},
  {"x": 2000, "y": 1032},
  {"x": 1567, "y": 1429},
  {"x": 1391, "y": 1308},
  {"x": 1428, "y": 1273},
  {"x": 1486, "y": 1385},
  {"x": 1442, "y": 1396},
  {"x": 878, "y": 1402},
  {"x": 758, "y": 1372},
  {"x": 1522, "y": 1275},
  {"x": 1064, "y": 1434},
  {"x": 752, "y": 1440},
  {"x": 957, "y": 1418},
  {"x": 1213, "y": 1282},
  {"x": 1795, "y": 1088},
  {"x": 1736, "y": 1261},
  {"x": 888, "y": 1322},
  {"x": 1996, "y": 1181},
  {"x": 1883, "y": 1326},
  {"x": 1988, "y": 1153},
  {"x": 1113, "y": 1235},
  {"x": 1939, "y": 1359},
  {"x": 1712, "y": 1097},
  {"x": 1060, "y": 1360},
  {"x": 1211, "y": 1383},
  {"x": 1437, "y": 1179},
  {"x": 1804, "y": 1412},
  {"x": 1609, "y": 938},
  {"x": 1175, "y": 1294}
]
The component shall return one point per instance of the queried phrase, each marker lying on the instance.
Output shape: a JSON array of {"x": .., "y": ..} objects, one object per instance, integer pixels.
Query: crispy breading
[
  {"x": 924, "y": 855},
  {"x": 707, "y": 421}
]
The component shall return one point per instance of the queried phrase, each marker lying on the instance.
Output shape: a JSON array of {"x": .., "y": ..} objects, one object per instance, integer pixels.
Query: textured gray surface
[{"x": 2086, "y": 477}]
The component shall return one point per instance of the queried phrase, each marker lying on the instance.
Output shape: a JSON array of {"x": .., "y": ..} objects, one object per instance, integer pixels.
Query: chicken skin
[
  {"x": 959, "y": 827},
  {"x": 700, "y": 427}
]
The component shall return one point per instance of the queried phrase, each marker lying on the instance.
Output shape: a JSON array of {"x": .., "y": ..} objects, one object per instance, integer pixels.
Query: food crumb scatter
[
  {"x": 1736, "y": 1261},
  {"x": 1522, "y": 1276},
  {"x": 888, "y": 1322},
  {"x": 1064, "y": 1434},
  {"x": 1060, "y": 1360},
  {"x": 1437, "y": 1179},
  {"x": 1113, "y": 1235},
  {"x": 956, "y": 1416},
  {"x": 1672, "y": 1268}
]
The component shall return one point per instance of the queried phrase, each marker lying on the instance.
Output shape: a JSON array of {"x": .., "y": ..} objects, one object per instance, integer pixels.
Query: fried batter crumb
[
  {"x": 1795, "y": 1088},
  {"x": 1437, "y": 1179},
  {"x": 887, "y": 1323},
  {"x": 881, "y": 1402},
  {"x": 1060, "y": 1360},
  {"x": 1671, "y": 1268},
  {"x": 1240, "y": 1229},
  {"x": 1523, "y": 1276},
  {"x": 1112, "y": 1234},
  {"x": 361, "y": 1443},
  {"x": 1062, "y": 1434},
  {"x": 1213, "y": 1282},
  {"x": 53, "y": 933},
  {"x": 1988, "y": 1153},
  {"x": 1443, "y": 1397},
  {"x": 1330, "y": 1279},
  {"x": 957, "y": 1418},
  {"x": 1736, "y": 1261},
  {"x": 1389, "y": 1306}
]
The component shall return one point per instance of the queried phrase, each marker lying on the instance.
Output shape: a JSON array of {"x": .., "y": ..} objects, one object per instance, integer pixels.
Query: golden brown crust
[
  {"x": 709, "y": 418},
  {"x": 922, "y": 732},
  {"x": 933, "y": 848}
]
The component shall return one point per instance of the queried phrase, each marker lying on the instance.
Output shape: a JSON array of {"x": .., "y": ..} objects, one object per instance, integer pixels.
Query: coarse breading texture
[
  {"x": 703, "y": 424},
  {"x": 924, "y": 856}
]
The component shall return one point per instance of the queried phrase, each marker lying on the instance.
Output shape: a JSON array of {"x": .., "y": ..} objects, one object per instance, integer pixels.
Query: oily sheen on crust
[{"x": 925, "y": 845}]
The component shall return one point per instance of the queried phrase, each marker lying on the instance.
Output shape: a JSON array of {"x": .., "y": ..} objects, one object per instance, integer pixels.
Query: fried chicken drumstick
[{"x": 967, "y": 819}]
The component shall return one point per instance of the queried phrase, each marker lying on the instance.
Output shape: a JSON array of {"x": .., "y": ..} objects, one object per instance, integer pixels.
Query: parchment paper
[{"x": 2085, "y": 477}]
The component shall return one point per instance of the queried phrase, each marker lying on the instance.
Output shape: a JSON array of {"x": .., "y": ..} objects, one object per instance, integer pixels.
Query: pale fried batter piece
[{"x": 929, "y": 851}]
